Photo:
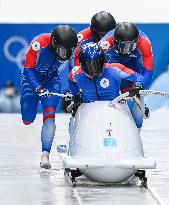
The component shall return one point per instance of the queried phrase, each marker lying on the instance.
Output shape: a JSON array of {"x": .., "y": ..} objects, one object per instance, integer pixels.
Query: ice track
[{"x": 22, "y": 182}]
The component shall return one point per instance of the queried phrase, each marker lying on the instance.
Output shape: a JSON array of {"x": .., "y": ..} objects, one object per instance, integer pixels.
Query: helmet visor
[
  {"x": 92, "y": 68},
  {"x": 125, "y": 47},
  {"x": 62, "y": 52}
]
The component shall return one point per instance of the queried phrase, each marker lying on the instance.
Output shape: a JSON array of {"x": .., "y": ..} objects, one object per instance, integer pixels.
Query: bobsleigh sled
[{"x": 105, "y": 144}]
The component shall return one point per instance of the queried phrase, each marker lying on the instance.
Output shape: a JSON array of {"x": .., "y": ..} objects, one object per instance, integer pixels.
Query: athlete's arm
[
  {"x": 73, "y": 84},
  {"x": 120, "y": 71},
  {"x": 144, "y": 45},
  {"x": 31, "y": 59}
]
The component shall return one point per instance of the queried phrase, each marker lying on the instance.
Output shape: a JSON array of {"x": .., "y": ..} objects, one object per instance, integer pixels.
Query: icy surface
[
  {"x": 155, "y": 135},
  {"x": 22, "y": 182}
]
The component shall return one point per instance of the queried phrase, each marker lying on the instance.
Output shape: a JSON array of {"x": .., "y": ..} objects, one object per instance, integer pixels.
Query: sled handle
[
  {"x": 154, "y": 92},
  {"x": 66, "y": 96},
  {"x": 125, "y": 96},
  {"x": 117, "y": 99}
]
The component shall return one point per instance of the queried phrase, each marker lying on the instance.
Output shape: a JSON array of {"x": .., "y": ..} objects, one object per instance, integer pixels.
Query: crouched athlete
[{"x": 99, "y": 81}]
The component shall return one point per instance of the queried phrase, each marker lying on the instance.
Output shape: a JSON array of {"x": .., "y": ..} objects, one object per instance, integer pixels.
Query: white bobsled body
[{"x": 105, "y": 144}]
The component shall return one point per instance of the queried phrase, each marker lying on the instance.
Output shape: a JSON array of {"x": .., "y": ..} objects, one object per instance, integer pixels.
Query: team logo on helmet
[
  {"x": 104, "y": 83},
  {"x": 36, "y": 46},
  {"x": 90, "y": 44},
  {"x": 79, "y": 37},
  {"x": 105, "y": 45}
]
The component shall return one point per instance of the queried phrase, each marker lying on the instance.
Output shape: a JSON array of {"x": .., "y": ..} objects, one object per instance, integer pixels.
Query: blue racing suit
[
  {"x": 104, "y": 88},
  {"x": 140, "y": 60},
  {"x": 41, "y": 70}
]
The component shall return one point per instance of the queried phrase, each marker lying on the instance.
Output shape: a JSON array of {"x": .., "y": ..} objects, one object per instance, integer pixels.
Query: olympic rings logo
[{"x": 20, "y": 56}]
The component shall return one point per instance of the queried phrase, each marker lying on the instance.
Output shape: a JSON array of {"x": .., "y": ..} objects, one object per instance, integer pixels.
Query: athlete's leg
[
  {"x": 29, "y": 102},
  {"x": 49, "y": 105},
  {"x": 48, "y": 129},
  {"x": 137, "y": 113}
]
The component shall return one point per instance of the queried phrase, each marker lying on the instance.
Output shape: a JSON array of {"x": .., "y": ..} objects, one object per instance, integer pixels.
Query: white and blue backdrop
[{"x": 21, "y": 21}]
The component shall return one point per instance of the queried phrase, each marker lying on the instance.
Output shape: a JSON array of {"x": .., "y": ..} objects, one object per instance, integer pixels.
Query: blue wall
[
  {"x": 159, "y": 37},
  {"x": 10, "y": 67}
]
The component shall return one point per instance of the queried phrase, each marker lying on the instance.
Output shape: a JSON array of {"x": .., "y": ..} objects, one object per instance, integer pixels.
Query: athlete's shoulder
[
  {"x": 75, "y": 72},
  {"x": 143, "y": 35},
  {"x": 84, "y": 35},
  {"x": 144, "y": 44},
  {"x": 40, "y": 41},
  {"x": 143, "y": 40},
  {"x": 37, "y": 43},
  {"x": 117, "y": 66},
  {"x": 113, "y": 65},
  {"x": 107, "y": 43}
]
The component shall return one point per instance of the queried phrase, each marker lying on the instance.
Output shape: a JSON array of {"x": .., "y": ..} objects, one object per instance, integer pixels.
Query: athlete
[
  {"x": 131, "y": 47},
  {"x": 101, "y": 23},
  {"x": 97, "y": 80},
  {"x": 47, "y": 52}
]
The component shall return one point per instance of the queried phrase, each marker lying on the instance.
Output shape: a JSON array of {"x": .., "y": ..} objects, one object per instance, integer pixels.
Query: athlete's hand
[
  {"x": 134, "y": 90},
  {"x": 75, "y": 103},
  {"x": 42, "y": 92}
]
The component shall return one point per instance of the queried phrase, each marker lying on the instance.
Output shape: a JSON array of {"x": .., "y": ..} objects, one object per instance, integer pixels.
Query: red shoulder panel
[
  {"x": 119, "y": 66},
  {"x": 145, "y": 48},
  {"x": 33, "y": 50},
  {"x": 84, "y": 35},
  {"x": 107, "y": 43},
  {"x": 74, "y": 71}
]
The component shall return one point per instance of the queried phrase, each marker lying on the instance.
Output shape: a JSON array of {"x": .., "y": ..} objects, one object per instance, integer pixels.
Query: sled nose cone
[
  {"x": 109, "y": 171},
  {"x": 109, "y": 175}
]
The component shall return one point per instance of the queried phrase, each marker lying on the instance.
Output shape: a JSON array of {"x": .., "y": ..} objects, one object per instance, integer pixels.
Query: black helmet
[
  {"x": 101, "y": 23},
  {"x": 91, "y": 58},
  {"x": 63, "y": 41},
  {"x": 125, "y": 38}
]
